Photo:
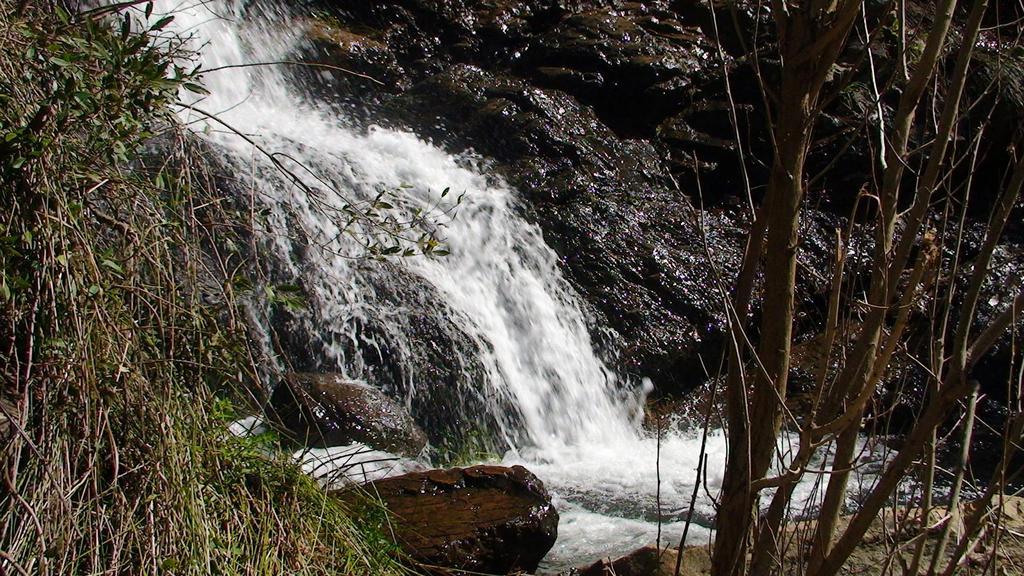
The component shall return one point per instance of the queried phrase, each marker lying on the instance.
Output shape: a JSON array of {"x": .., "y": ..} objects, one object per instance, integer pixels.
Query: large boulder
[
  {"x": 486, "y": 519},
  {"x": 326, "y": 410}
]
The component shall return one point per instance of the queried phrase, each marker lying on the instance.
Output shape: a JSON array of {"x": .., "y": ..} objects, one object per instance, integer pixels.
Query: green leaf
[
  {"x": 161, "y": 23},
  {"x": 59, "y": 61},
  {"x": 196, "y": 88},
  {"x": 107, "y": 263},
  {"x": 83, "y": 98}
]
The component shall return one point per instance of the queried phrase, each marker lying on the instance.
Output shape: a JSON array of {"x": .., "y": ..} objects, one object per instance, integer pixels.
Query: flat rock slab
[{"x": 490, "y": 519}]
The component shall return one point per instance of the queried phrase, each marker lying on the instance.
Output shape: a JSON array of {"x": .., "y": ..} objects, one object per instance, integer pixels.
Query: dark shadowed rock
[
  {"x": 633, "y": 65},
  {"x": 419, "y": 356},
  {"x": 489, "y": 519},
  {"x": 327, "y": 410}
]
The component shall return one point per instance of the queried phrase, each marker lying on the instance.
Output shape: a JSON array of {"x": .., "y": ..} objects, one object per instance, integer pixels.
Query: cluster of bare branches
[{"x": 914, "y": 210}]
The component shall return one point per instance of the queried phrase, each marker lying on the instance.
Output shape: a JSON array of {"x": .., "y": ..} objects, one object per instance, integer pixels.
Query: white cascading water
[{"x": 578, "y": 425}]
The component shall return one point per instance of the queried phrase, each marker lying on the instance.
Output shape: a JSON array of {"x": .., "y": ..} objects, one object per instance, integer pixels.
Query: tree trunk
[
  {"x": 810, "y": 39},
  {"x": 751, "y": 451}
]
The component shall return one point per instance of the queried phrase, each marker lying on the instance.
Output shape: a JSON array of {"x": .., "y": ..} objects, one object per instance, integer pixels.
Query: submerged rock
[
  {"x": 489, "y": 519},
  {"x": 326, "y": 410}
]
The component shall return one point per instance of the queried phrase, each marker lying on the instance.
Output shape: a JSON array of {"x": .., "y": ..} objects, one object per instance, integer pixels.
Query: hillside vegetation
[{"x": 117, "y": 369}]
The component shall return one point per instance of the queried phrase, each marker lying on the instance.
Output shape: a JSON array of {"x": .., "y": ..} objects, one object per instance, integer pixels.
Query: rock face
[
  {"x": 594, "y": 110},
  {"x": 489, "y": 519},
  {"x": 326, "y": 410}
]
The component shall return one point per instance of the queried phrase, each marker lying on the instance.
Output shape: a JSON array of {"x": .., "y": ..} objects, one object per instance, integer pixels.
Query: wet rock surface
[
  {"x": 596, "y": 112},
  {"x": 489, "y": 519},
  {"x": 615, "y": 122},
  {"x": 322, "y": 410},
  {"x": 424, "y": 348}
]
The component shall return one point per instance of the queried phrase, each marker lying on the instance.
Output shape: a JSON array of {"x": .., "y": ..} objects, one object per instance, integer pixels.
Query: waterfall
[
  {"x": 530, "y": 366},
  {"x": 500, "y": 281}
]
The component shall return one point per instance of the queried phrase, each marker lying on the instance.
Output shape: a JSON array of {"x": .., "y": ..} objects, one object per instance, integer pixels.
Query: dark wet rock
[
  {"x": 633, "y": 65},
  {"x": 554, "y": 147},
  {"x": 326, "y": 410},
  {"x": 488, "y": 519},
  {"x": 349, "y": 65},
  {"x": 424, "y": 356},
  {"x": 998, "y": 81},
  {"x": 1001, "y": 366},
  {"x": 427, "y": 35},
  {"x": 420, "y": 356},
  {"x": 636, "y": 248}
]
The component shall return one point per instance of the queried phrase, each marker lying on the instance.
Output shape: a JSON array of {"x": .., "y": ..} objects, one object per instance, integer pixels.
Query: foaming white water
[{"x": 576, "y": 424}]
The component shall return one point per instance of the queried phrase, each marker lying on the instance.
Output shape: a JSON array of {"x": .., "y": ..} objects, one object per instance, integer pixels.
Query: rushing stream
[{"x": 551, "y": 400}]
